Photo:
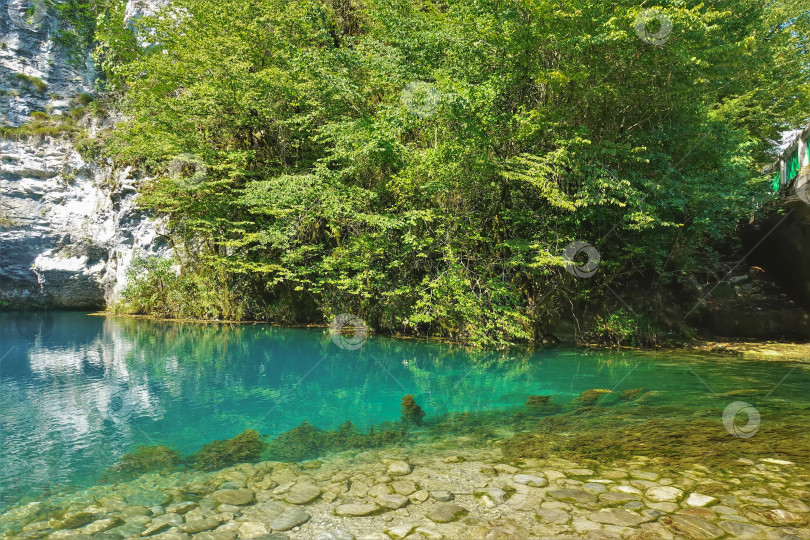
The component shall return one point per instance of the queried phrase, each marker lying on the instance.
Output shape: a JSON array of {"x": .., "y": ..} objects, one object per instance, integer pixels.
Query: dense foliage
[{"x": 425, "y": 164}]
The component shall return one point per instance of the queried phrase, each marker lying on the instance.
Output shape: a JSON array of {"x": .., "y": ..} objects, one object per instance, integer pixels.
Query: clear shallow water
[{"x": 77, "y": 391}]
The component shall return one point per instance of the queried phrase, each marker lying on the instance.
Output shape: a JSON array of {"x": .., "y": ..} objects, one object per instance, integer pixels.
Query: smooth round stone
[
  {"x": 303, "y": 494},
  {"x": 579, "y": 472},
  {"x": 794, "y": 505},
  {"x": 552, "y": 515},
  {"x": 181, "y": 508},
  {"x": 774, "y": 516},
  {"x": 617, "y": 499},
  {"x": 102, "y": 525},
  {"x": 392, "y": 500},
  {"x": 745, "y": 530},
  {"x": 628, "y": 489},
  {"x": 614, "y": 475},
  {"x": 216, "y": 535},
  {"x": 594, "y": 487},
  {"x": 292, "y": 517},
  {"x": 497, "y": 495},
  {"x": 199, "y": 525},
  {"x": 399, "y": 532},
  {"x": 147, "y": 498},
  {"x": 663, "y": 494},
  {"x": 131, "y": 511},
  {"x": 252, "y": 529},
  {"x": 356, "y": 509},
  {"x": 399, "y": 468},
  {"x": 644, "y": 475},
  {"x": 233, "y": 497},
  {"x": 698, "y": 499},
  {"x": 530, "y": 480},
  {"x": 692, "y": 527},
  {"x": 573, "y": 495},
  {"x": 445, "y": 513},
  {"x": 72, "y": 520},
  {"x": 441, "y": 495},
  {"x": 633, "y": 505},
  {"x": 617, "y": 516},
  {"x": 505, "y": 469},
  {"x": 404, "y": 487},
  {"x": 379, "y": 489},
  {"x": 419, "y": 496},
  {"x": 721, "y": 509},
  {"x": 337, "y": 534}
]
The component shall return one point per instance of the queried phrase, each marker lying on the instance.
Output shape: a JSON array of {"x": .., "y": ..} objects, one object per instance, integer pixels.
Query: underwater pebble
[
  {"x": 445, "y": 513},
  {"x": 441, "y": 495},
  {"x": 692, "y": 527},
  {"x": 289, "y": 518},
  {"x": 594, "y": 487},
  {"x": 399, "y": 468},
  {"x": 393, "y": 501},
  {"x": 552, "y": 515},
  {"x": 530, "y": 480},
  {"x": 337, "y": 534},
  {"x": 234, "y": 497},
  {"x": 644, "y": 475},
  {"x": 356, "y": 509},
  {"x": 663, "y": 494},
  {"x": 400, "y": 531},
  {"x": 181, "y": 508},
  {"x": 615, "y": 499},
  {"x": 252, "y": 529},
  {"x": 303, "y": 494},
  {"x": 698, "y": 499},
  {"x": 573, "y": 495},
  {"x": 617, "y": 516}
]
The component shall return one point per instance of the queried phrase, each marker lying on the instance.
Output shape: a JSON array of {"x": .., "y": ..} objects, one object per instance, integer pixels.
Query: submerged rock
[
  {"x": 692, "y": 527},
  {"x": 303, "y": 494},
  {"x": 576, "y": 496},
  {"x": 356, "y": 509},
  {"x": 289, "y": 518},
  {"x": 445, "y": 513},
  {"x": 399, "y": 468},
  {"x": 234, "y": 497}
]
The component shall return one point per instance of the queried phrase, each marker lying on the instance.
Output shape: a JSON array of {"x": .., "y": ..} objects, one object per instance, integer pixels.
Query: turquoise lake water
[{"x": 79, "y": 391}]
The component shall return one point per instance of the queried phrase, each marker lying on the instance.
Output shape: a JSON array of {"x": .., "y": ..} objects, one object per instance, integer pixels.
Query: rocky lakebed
[{"x": 435, "y": 492}]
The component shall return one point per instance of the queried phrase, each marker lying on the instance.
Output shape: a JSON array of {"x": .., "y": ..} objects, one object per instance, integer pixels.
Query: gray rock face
[
  {"x": 28, "y": 49},
  {"x": 69, "y": 228}
]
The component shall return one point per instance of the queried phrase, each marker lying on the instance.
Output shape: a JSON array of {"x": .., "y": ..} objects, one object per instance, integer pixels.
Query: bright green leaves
[{"x": 424, "y": 166}]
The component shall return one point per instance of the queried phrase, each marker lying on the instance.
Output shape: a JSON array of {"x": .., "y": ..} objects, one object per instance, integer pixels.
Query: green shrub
[
  {"x": 246, "y": 447},
  {"x": 34, "y": 83},
  {"x": 41, "y": 125},
  {"x": 77, "y": 113},
  {"x": 148, "y": 459},
  {"x": 85, "y": 99}
]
